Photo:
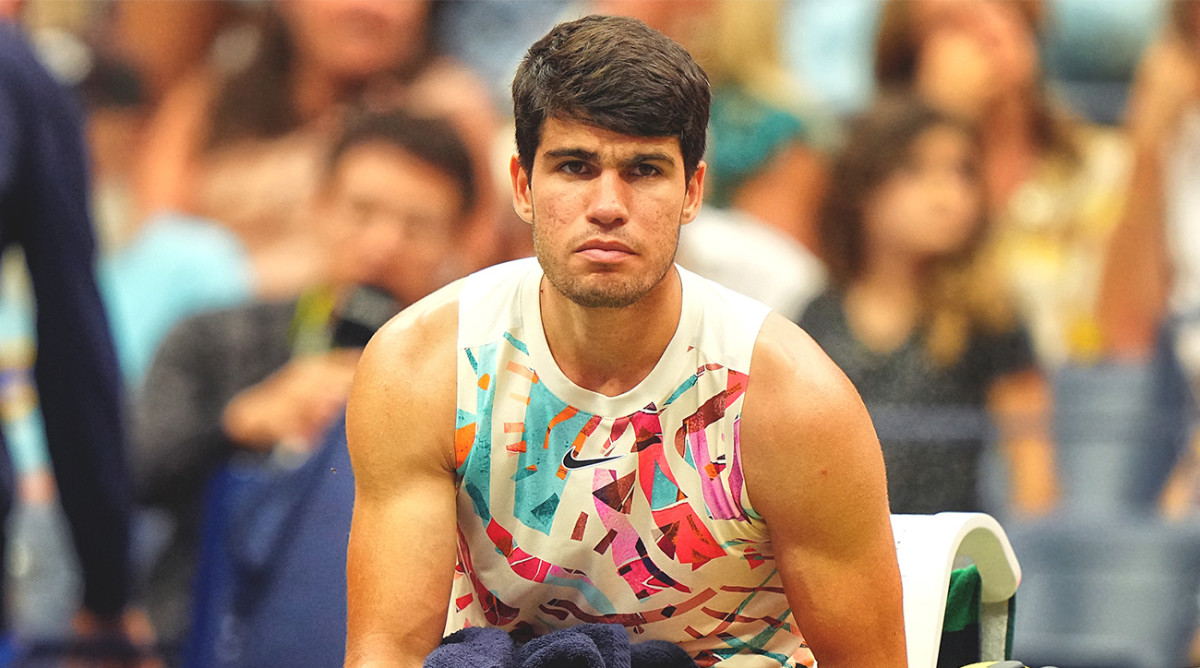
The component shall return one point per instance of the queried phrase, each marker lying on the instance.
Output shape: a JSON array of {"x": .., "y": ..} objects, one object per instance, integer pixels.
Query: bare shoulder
[
  {"x": 800, "y": 411},
  {"x": 402, "y": 404},
  {"x": 791, "y": 373}
]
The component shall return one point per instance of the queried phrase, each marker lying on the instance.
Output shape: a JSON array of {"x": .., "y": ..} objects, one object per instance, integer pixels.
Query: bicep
[
  {"x": 815, "y": 470},
  {"x": 401, "y": 556}
]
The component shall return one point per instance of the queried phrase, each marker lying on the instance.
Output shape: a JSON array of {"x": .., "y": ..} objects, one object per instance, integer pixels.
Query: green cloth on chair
[
  {"x": 961, "y": 633},
  {"x": 960, "y": 629}
]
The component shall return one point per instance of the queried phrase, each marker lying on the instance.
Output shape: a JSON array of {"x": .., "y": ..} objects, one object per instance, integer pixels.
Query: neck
[
  {"x": 611, "y": 350},
  {"x": 883, "y": 305}
]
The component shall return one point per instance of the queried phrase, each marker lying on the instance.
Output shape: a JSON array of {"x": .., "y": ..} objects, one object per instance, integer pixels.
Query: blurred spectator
[
  {"x": 1153, "y": 270},
  {"x": 1055, "y": 185},
  {"x": 1150, "y": 302},
  {"x": 916, "y": 318},
  {"x": 44, "y": 208},
  {"x": 264, "y": 380},
  {"x": 739, "y": 252},
  {"x": 173, "y": 266},
  {"x": 241, "y": 145}
]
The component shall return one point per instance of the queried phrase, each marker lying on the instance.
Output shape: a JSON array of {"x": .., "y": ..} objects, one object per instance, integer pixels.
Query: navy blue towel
[{"x": 585, "y": 646}]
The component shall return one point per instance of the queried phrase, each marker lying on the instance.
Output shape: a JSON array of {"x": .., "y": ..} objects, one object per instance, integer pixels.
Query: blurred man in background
[{"x": 265, "y": 380}]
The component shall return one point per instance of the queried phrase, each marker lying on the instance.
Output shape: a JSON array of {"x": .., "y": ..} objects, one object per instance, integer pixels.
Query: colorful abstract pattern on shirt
[{"x": 567, "y": 517}]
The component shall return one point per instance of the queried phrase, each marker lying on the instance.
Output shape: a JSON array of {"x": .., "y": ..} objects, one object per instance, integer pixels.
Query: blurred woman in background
[
  {"x": 1054, "y": 184},
  {"x": 916, "y": 318}
]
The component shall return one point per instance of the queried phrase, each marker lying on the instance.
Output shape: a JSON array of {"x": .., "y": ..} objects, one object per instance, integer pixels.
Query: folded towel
[
  {"x": 584, "y": 646},
  {"x": 474, "y": 648},
  {"x": 659, "y": 654}
]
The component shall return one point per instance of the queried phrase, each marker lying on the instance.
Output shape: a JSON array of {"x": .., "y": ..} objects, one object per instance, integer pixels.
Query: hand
[
  {"x": 1166, "y": 83},
  {"x": 132, "y": 627},
  {"x": 293, "y": 404}
]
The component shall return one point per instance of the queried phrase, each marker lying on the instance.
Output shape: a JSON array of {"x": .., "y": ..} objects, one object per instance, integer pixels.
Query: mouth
[{"x": 604, "y": 251}]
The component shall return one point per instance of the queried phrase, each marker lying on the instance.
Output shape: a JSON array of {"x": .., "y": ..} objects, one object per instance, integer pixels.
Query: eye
[
  {"x": 575, "y": 167},
  {"x": 646, "y": 169}
]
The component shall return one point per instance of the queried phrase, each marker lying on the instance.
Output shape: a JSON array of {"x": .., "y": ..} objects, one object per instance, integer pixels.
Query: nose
[
  {"x": 609, "y": 199},
  {"x": 378, "y": 244},
  {"x": 952, "y": 192}
]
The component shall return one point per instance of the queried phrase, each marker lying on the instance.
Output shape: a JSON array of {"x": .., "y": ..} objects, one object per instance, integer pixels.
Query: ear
[
  {"x": 522, "y": 195},
  {"x": 694, "y": 195}
]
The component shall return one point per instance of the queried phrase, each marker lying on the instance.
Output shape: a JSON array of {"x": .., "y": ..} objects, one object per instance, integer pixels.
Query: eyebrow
[
  {"x": 592, "y": 156},
  {"x": 581, "y": 154}
]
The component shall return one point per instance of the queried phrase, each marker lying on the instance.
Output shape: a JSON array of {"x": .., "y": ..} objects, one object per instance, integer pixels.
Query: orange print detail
[{"x": 464, "y": 438}]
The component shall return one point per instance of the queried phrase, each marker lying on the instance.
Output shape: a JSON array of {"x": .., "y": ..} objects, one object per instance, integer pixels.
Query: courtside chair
[{"x": 960, "y": 576}]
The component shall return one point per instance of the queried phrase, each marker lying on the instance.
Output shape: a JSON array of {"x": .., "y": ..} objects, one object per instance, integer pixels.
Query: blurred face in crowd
[
  {"x": 389, "y": 219},
  {"x": 973, "y": 52},
  {"x": 931, "y": 205},
  {"x": 355, "y": 39}
]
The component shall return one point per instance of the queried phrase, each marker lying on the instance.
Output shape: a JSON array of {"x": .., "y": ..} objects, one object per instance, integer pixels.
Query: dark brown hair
[
  {"x": 618, "y": 74},
  {"x": 433, "y": 141}
]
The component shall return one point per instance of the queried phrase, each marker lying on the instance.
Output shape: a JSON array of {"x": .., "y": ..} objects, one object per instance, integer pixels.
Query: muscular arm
[
  {"x": 815, "y": 472},
  {"x": 400, "y": 425}
]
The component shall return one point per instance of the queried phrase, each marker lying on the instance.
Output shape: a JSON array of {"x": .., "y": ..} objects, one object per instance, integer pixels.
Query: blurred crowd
[{"x": 985, "y": 211}]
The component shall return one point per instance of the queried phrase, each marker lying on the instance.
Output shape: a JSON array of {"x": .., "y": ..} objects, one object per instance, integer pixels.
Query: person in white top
[{"x": 610, "y": 132}]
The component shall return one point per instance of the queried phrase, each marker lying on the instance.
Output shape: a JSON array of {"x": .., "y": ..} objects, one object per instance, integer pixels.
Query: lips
[{"x": 604, "y": 251}]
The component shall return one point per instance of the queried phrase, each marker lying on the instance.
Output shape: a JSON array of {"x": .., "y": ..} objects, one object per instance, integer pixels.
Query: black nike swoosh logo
[{"x": 570, "y": 462}]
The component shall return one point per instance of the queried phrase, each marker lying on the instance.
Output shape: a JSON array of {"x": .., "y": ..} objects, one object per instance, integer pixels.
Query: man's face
[
  {"x": 606, "y": 210},
  {"x": 389, "y": 221}
]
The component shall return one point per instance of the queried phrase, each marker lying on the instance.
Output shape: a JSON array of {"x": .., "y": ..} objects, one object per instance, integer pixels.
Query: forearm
[
  {"x": 364, "y": 654},
  {"x": 1135, "y": 284},
  {"x": 396, "y": 608}
]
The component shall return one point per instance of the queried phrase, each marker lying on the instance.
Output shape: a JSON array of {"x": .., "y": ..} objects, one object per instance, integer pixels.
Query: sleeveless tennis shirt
[{"x": 575, "y": 507}]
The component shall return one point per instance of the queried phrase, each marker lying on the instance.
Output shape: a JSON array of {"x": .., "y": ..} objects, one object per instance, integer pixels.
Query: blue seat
[
  {"x": 1118, "y": 427},
  {"x": 1106, "y": 591}
]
